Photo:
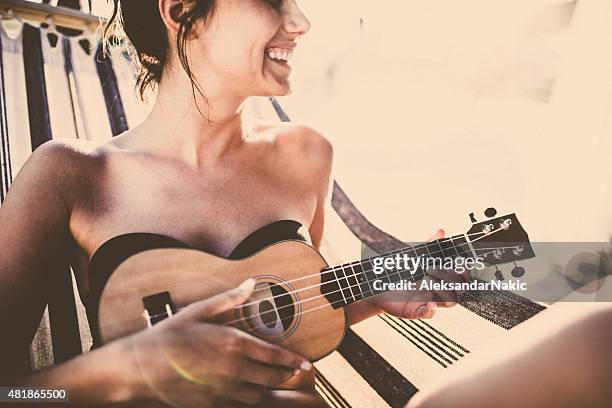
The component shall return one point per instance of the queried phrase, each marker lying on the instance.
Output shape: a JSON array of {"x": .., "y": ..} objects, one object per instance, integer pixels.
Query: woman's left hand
[
  {"x": 421, "y": 304},
  {"x": 411, "y": 304}
]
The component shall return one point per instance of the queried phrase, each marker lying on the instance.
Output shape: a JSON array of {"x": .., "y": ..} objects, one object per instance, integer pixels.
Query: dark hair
[{"x": 141, "y": 22}]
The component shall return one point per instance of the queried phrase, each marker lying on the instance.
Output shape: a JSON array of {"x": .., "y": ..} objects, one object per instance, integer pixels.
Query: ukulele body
[{"x": 286, "y": 308}]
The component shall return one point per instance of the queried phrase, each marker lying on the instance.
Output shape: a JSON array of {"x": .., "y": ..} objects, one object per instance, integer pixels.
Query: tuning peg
[
  {"x": 490, "y": 212},
  {"x": 473, "y": 219},
  {"x": 498, "y": 274},
  {"x": 517, "y": 271}
]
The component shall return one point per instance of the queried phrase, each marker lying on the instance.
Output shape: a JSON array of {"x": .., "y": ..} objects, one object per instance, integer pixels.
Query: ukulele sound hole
[
  {"x": 270, "y": 312},
  {"x": 267, "y": 313}
]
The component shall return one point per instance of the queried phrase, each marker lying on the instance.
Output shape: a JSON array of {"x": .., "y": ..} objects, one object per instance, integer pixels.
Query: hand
[
  {"x": 187, "y": 362},
  {"x": 420, "y": 304}
]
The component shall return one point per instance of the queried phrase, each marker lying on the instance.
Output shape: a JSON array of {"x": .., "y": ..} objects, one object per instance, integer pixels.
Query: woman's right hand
[{"x": 185, "y": 361}]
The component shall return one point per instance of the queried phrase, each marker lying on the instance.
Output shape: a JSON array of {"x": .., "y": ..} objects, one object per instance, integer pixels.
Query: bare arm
[
  {"x": 34, "y": 238},
  {"x": 320, "y": 158},
  {"x": 359, "y": 311},
  {"x": 559, "y": 358},
  {"x": 33, "y": 235}
]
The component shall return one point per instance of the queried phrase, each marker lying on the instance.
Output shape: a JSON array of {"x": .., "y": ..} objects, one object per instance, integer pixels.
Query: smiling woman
[
  {"x": 250, "y": 29},
  {"x": 191, "y": 174}
]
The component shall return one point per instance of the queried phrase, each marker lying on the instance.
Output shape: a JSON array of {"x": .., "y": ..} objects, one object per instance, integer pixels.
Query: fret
[
  {"x": 370, "y": 277},
  {"x": 463, "y": 247},
  {"x": 435, "y": 250},
  {"x": 366, "y": 265},
  {"x": 345, "y": 284},
  {"x": 349, "y": 283},
  {"x": 341, "y": 289},
  {"x": 330, "y": 288},
  {"x": 449, "y": 248},
  {"x": 405, "y": 273},
  {"x": 417, "y": 273},
  {"x": 364, "y": 284},
  {"x": 420, "y": 250},
  {"x": 387, "y": 273},
  {"x": 354, "y": 283}
]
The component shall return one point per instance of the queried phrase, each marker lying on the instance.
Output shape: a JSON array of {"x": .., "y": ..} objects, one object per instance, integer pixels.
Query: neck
[
  {"x": 198, "y": 133},
  {"x": 355, "y": 281}
]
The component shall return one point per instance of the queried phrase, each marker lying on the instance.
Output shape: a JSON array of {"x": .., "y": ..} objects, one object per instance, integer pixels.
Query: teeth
[{"x": 280, "y": 54}]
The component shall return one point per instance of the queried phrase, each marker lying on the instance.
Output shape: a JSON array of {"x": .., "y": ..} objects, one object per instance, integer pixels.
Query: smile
[{"x": 280, "y": 54}]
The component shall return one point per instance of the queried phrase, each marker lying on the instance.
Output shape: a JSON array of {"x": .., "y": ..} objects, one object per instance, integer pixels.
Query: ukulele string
[
  {"x": 319, "y": 296},
  {"x": 306, "y": 311},
  {"x": 415, "y": 247},
  {"x": 355, "y": 275},
  {"x": 178, "y": 309},
  {"x": 352, "y": 286},
  {"x": 334, "y": 269},
  {"x": 340, "y": 290},
  {"x": 358, "y": 285}
]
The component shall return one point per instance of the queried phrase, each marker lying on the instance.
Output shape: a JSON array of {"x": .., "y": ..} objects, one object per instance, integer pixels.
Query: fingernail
[
  {"x": 426, "y": 311},
  {"x": 247, "y": 285},
  {"x": 306, "y": 365},
  {"x": 431, "y": 307},
  {"x": 421, "y": 312}
]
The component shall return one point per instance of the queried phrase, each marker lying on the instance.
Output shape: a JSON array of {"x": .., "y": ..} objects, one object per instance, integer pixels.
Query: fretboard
[{"x": 354, "y": 281}]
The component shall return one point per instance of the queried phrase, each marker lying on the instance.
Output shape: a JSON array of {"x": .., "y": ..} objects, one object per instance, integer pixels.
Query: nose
[{"x": 295, "y": 22}]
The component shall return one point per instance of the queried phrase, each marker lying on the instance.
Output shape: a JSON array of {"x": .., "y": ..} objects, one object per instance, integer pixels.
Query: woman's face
[{"x": 248, "y": 45}]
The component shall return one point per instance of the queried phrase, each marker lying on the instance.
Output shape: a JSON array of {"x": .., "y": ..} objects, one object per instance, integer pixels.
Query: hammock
[{"x": 382, "y": 362}]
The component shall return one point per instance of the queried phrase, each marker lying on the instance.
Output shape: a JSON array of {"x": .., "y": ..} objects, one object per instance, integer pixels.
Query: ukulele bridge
[{"x": 158, "y": 307}]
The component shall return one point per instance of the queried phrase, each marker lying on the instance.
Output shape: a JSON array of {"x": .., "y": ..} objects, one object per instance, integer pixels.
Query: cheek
[
  {"x": 235, "y": 42},
  {"x": 242, "y": 51}
]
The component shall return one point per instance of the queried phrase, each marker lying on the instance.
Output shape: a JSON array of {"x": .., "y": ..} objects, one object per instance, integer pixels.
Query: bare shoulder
[
  {"x": 61, "y": 166},
  {"x": 302, "y": 148},
  {"x": 61, "y": 156}
]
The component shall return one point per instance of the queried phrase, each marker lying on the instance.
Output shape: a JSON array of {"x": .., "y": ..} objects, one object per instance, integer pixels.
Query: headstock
[{"x": 500, "y": 240}]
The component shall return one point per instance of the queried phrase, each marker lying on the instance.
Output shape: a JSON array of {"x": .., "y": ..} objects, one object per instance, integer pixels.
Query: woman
[{"x": 192, "y": 171}]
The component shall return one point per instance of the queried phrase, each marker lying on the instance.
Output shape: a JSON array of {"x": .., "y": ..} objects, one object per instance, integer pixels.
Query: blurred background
[
  {"x": 436, "y": 108},
  {"x": 440, "y": 108}
]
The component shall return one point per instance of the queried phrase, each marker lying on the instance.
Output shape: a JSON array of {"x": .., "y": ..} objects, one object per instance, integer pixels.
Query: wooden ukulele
[{"x": 298, "y": 301}]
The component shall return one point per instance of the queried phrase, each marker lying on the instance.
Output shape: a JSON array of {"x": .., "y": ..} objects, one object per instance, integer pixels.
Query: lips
[
  {"x": 280, "y": 55},
  {"x": 279, "y": 63}
]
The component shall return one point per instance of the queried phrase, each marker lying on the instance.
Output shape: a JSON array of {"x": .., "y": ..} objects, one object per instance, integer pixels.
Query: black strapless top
[{"x": 117, "y": 249}]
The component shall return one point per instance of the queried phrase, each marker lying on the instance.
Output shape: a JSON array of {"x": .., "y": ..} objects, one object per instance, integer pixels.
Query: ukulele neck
[{"x": 360, "y": 280}]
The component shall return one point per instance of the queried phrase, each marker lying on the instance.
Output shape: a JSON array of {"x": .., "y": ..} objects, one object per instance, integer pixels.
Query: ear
[{"x": 169, "y": 10}]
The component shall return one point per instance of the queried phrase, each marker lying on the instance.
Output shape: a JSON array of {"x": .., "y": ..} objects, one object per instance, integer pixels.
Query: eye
[{"x": 275, "y": 4}]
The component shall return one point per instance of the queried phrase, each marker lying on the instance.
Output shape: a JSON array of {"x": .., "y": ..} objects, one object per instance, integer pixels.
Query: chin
[{"x": 277, "y": 90}]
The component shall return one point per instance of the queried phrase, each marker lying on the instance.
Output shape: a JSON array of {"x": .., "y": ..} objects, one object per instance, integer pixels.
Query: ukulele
[{"x": 298, "y": 300}]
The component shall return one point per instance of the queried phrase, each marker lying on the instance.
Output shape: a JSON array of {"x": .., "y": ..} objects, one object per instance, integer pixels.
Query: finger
[
  {"x": 246, "y": 393},
  {"x": 262, "y": 374},
  {"x": 446, "y": 298},
  {"x": 414, "y": 310},
  {"x": 438, "y": 235},
  {"x": 220, "y": 303},
  {"x": 262, "y": 351},
  {"x": 467, "y": 275},
  {"x": 446, "y": 275},
  {"x": 425, "y": 311}
]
